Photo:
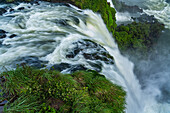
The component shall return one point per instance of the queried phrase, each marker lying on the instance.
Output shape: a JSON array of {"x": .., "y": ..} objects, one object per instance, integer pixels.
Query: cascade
[{"x": 58, "y": 34}]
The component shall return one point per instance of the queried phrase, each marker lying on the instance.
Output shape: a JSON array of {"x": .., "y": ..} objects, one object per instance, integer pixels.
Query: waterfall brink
[
  {"x": 122, "y": 73},
  {"x": 58, "y": 33},
  {"x": 50, "y": 34},
  {"x": 153, "y": 73}
]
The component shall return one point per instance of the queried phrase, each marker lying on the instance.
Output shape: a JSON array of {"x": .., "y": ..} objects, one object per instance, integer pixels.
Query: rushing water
[
  {"x": 55, "y": 34},
  {"x": 153, "y": 73},
  {"x": 159, "y": 8}
]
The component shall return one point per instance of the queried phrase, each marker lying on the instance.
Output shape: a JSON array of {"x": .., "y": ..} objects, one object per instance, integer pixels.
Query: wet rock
[
  {"x": 131, "y": 9},
  {"x": 97, "y": 66},
  {"x": 61, "y": 1},
  {"x": 30, "y": 61},
  {"x": 2, "y": 31},
  {"x": 12, "y": 36},
  {"x": 20, "y": 21},
  {"x": 91, "y": 51},
  {"x": 36, "y": 2},
  {"x": 64, "y": 4},
  {"x": 21, "y": 8},
  {"x": 75, "y": 19},
  {"x": 67, "y": 67},
  {"x": 2, "y": 34},
  {"x": 76, "y": 68},
  {"x": 145, "y": 18},
  {"x": 0, "y": 44},
  {"x": 2, "y": 11},
  {"x": 62, "y": 22},
  {"x": 122, "y": 7},
  {"x": 11, "y": 10},
  {"x": 60, "y": 67}
]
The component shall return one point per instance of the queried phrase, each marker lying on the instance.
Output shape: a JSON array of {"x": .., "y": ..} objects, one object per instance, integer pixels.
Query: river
[{"x": 56, "y": 34}]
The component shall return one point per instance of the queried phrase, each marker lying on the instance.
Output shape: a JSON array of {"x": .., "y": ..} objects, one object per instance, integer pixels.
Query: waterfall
[
  {"x": 57, "y": 33},
  {"x": 153, "y": 73}
]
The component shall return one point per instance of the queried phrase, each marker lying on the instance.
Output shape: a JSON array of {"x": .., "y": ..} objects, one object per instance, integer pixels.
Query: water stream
[{"x": 52, "y": 34}]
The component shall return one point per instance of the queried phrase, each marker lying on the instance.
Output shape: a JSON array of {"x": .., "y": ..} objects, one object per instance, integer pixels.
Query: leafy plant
[{"x": 34, "y": 90}]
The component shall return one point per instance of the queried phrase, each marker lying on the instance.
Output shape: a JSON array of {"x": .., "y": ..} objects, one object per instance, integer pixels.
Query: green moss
[
  {"x": 135, "y": 36},
  {"x": 138, "y": 36},
  {"x": 28, "y": 89},
  {"x": 102, "y": 7}
]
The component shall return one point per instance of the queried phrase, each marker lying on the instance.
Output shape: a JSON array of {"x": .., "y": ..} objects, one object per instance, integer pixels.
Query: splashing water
[
  {"x": 52, "y": 32},
  {"x": 49, "y": 33},
  {"x": 153, "y": 73},
  {"x": 159, "y": 8}
]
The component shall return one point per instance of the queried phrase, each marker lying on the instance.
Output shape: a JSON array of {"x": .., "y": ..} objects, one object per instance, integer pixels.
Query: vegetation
[
  {"x": 32, "y": 90},
  {"x": 138, "y": 36},
  {"x": 135, "y": 36},
  {"x": 102, "y": 7}
]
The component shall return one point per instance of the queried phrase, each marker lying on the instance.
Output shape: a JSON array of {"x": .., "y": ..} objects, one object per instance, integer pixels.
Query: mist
[{"x": 153, "y": 73}]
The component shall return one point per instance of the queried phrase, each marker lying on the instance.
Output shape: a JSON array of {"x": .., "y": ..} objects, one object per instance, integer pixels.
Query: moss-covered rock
[
  {"x": 138, "y": 36},
  {"x": 134, "y": 36},
  {"x": 102, "y": 7},
  {"x": 27, "y": 89}
]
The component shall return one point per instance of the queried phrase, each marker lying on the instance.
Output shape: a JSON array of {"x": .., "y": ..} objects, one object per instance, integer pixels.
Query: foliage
[
  {"x": 134, "y": 36},
  {"x": 137, "y": 36},
  {"x": 102, "y": 7},
  {"x": 34, "y": 90}
]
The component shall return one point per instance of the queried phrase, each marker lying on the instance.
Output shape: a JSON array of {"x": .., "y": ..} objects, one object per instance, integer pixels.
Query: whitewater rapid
[
  {"x": 57, "y": 33},
  {"x": 153, "y": 73},
  {"x": 54, "y": 31},
  {"x": 160, "y": 9}
]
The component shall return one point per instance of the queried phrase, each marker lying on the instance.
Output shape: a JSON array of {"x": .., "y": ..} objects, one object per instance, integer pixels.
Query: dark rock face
[
  {"x": 60, "y": 1},
  {"x": 2, "y": 31},
  {"x": 21, "y": 8},
  {"x": 122, "y": 7},
  {"x": 30, "y": 61},
  {"x": 11, "y": 10},
  {"x": 60, "y": 67},
  {"x": 65, "y": 4},
  {"x": 75, "y": 19},
  {"x": 2, "y": 34},
  {"x": 91, "y": 51},
  {"x": 65, "y": 66},
  {"x": 62, "y": 22},
  {"x": 77, "y": 67},
  {"x": 97, "y": 66},
  {"x": 12, "y": 36},
  {"x": 2, "y": 11},
  {"x": 145, "y": 18}
]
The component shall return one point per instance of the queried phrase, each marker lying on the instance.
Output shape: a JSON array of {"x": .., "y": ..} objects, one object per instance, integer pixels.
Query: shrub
[{"x": 29, "y": 89}]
